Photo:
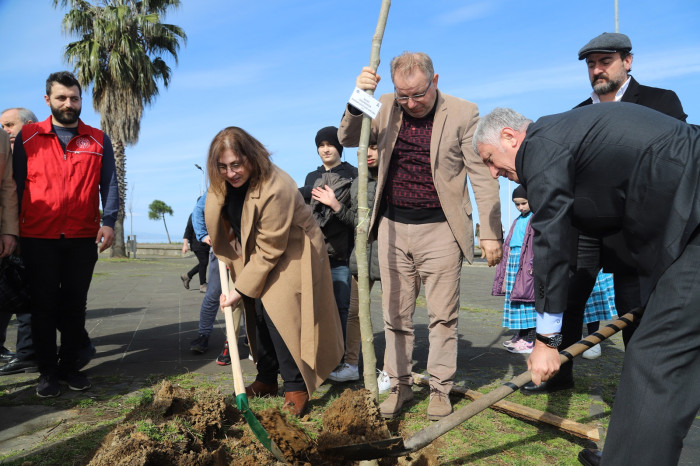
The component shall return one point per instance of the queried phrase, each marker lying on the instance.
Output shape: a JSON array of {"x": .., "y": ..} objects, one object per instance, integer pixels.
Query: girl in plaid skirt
[{"x": 514, "y": 279}]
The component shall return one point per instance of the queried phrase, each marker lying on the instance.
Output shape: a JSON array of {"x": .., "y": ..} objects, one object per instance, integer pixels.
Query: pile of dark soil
[{"x": 200, "y": 427}]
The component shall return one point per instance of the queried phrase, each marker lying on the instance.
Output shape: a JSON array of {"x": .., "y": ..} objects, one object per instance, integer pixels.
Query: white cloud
[{"x": 466, "y": 13}]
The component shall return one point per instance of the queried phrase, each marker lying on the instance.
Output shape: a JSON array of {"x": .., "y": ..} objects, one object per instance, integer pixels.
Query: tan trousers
[
  {"x": 408, "y": 256},
  {"x": 353, "y": 337}
]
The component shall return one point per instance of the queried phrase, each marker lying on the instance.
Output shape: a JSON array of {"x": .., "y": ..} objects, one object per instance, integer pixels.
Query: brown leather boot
[
  {"x": 295, "y": 402},
  {"x": 258, "y": 388}
]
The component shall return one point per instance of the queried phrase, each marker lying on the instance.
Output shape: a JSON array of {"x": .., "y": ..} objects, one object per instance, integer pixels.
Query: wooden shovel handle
[{"x": 238, "y": 384}]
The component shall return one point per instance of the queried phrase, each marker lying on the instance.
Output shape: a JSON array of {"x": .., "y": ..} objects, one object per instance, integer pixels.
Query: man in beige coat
[
  {"x": 422, "y": 217},
  {"x": 9, "y": 215}
]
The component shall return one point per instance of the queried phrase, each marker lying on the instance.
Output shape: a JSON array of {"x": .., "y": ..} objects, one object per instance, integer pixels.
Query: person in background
[
  {"x": 262, "y": 229},
  {"x": 514, "y": 279},
  {"x": 12, "y": 120},
  {"x": 327, "y": 190},
  {"x": 201, "y": 251},
  {"x": 349, "y": 370},
  {"x": 23, "y": 359},
  {"x": 600, "y": 306}
]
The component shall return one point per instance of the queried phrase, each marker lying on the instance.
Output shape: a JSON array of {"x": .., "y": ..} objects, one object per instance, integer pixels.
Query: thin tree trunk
[
  {"x": 119, "y": 248},
  {"x": 166, "y": 229},
  {"x": 368, "y": 355}
]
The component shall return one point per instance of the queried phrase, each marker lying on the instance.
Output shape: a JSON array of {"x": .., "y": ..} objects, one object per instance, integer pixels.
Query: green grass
[{"x": 488, "y": 438}]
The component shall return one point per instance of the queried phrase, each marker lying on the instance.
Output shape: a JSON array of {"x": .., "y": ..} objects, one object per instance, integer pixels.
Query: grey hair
[
  {"x": 25, "y": 115},
  {"x": 488, "y": 130},
  {"x": 407, "y": 61}
]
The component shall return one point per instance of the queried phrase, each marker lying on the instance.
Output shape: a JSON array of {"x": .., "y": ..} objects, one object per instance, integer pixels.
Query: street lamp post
[{"x": 204, "y": 178}]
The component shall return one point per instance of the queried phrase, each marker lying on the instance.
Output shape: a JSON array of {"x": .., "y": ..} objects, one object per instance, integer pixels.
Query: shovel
[
  {"x": 238, "y": 385},
  {"x": 397, "y": 446}
]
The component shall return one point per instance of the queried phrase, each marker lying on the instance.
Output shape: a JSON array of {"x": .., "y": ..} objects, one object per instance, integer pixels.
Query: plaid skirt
[
  {"x": 601, "y": 303},
  {"x": 516, "y": 315}
]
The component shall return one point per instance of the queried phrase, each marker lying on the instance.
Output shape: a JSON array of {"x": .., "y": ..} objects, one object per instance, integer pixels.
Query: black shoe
[
  {"x": 200, "y": 344},
  {"x": 85, "y": 355},
  {"x": 76, "y": 381},
  {"x": 17, "y": 365},
  {"x": 590, "y": 457},
  {"x": 553, "y": 385},
  {"x": 48, "y": 387},
  {"x": 6, "y": 354},
  {"x": 224, "y": 358},
  {"x": 185, "y": 281}
]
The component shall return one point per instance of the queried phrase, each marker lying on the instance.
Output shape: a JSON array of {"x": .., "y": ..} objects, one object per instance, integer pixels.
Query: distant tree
[
  {"x": 157, "y": 210},
  {"x": 121, "y": 53}
]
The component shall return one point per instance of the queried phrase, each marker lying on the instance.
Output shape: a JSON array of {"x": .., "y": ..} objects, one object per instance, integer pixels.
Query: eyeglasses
[
  {"x": 235, "y": 167},
  {"x": 404, "y": 98}
]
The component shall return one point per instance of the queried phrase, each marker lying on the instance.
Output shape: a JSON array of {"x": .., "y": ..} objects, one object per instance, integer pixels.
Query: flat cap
[{"x": 607, "y": 42}]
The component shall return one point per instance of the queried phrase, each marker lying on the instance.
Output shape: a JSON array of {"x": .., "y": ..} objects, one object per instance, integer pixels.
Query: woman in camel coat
[{"x": 263, "y": 230}]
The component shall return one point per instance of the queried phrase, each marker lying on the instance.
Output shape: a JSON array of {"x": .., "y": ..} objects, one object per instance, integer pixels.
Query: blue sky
[{"x": 282, "y": 69}]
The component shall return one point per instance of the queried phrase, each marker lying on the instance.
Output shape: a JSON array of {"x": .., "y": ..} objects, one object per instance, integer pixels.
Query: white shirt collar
[{"x": 620, "y": 92}]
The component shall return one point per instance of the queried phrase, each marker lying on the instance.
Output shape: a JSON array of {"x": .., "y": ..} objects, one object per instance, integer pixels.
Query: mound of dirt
[
  {"x": 353, "y": 418},
  {"x": 200, "y": 427},
  {"x": 180, "y": 427}
]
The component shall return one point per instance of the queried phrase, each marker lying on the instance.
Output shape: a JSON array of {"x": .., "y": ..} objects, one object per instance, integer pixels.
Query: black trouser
[
  {"x": 273, "y": 354},
  {"x": 201, "y": 267},
  {"x": 24, "y": 346},
  {"x": 581, "y": 283},
  {"x": 59, "y": 272},
  {"x": 658, "y": 396}
]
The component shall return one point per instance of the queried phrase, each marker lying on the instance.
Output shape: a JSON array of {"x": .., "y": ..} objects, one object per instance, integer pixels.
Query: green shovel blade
[{"x": 257, "y": 428}]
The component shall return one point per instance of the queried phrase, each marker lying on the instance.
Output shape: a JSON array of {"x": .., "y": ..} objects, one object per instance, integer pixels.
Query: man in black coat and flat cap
[{"x": 607, "y": 169}]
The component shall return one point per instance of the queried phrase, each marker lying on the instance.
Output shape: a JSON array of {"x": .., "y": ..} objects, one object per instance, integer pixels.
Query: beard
[
  {"x": 606, "y": 87},
  {"x": 66, "y": 116}
]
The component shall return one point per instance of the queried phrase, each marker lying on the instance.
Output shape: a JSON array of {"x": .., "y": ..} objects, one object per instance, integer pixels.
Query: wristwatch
[{"x": 553, "y": 341}]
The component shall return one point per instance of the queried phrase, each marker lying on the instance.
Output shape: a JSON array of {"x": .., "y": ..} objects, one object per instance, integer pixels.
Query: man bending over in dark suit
[
  {"x": 609, "y": 60},
  {"x": 603, "y": 170}
]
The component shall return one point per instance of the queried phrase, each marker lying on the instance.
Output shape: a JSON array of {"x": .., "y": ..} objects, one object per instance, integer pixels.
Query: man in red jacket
[{"x": 62, "y": 167}]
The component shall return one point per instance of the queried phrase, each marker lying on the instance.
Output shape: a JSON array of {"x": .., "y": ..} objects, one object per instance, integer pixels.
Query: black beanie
[
  {"x": 519, "y": 192},
  {"x": 330, "y": 134}
]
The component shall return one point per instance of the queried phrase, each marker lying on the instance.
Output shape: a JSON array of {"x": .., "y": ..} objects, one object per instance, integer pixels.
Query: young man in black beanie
[{"x": 327, "y": 190}]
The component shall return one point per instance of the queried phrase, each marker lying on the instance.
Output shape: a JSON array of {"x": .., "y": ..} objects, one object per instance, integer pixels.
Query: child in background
[
  {"x": 515, "y": 281},
  {"x": 600, "y": 306},
  {"x": 349, "y": 370}
]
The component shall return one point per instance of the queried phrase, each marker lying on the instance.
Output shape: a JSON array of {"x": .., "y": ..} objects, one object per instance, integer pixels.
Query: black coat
[
  {"x": 661, "y": 100},
  {"x": 195, "y": 244},
  {"x": 613, "y": 255},
  {"x": 338, "y": 230},
  {"x": 604, "y": 169}
]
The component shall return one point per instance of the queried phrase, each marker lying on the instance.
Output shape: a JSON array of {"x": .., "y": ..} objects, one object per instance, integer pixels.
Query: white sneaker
[
  {"x": 383, "y": 382},
  {"x": 345, "y": 373},
  {"x": 593, "y": 352}
]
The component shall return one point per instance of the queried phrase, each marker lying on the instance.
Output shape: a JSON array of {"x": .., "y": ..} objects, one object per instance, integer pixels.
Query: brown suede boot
[
  {"x": 394, "y": 403},
  {"x": 439, "y": 406},
  {"x": 295, "y": 402},
  {"x": 260, "y": 389}
]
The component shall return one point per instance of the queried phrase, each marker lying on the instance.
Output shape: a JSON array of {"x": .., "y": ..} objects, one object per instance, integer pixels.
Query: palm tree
[
  {"x": 121, "y": 53},
  {"x": 157, "y": 210}
]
